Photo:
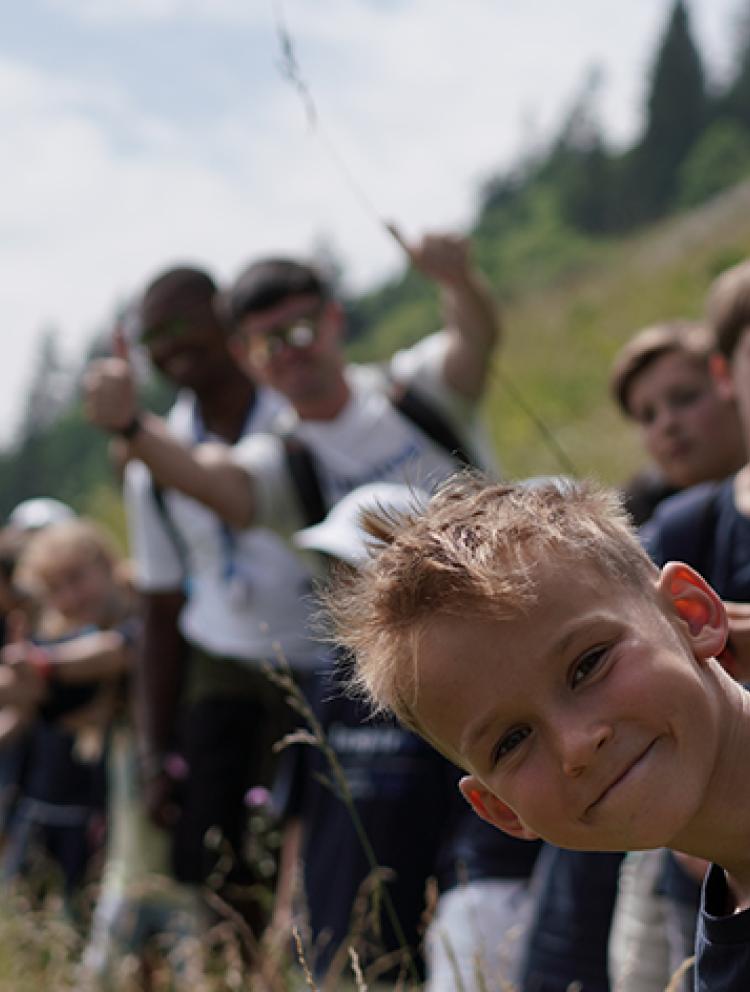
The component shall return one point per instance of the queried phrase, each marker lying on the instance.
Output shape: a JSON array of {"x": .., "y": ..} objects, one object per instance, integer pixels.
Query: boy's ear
[
  {"x": 696, "y": 603},
  {"x": 493, "y": 810},
  {"x": 721, "y": 372}
]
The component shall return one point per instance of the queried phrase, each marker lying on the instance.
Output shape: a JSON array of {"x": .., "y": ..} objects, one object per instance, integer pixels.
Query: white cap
[
  {"x": 34, "y": 514},
  {"x": 341, "y": 534}
]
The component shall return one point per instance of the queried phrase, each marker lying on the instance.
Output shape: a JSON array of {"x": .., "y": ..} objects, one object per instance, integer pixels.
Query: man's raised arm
[
  {"x": 470, "y": 312},
  {"x": 206, "y": 473}
]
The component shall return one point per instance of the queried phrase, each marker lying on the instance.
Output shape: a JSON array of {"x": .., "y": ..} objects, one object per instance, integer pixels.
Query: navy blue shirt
[
  {"x": 722, "y": 942},
  {"x": 407, "y": 798},
  {"x": 403, "y": 793},
  {"x": 474, "y": 850},
  {"x": 702, "y": 527}
]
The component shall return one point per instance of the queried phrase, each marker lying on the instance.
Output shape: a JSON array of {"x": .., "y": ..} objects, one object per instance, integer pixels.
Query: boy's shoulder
[
  {"x": 683, "y": 526},
  {"x": 722, "y": 943}
]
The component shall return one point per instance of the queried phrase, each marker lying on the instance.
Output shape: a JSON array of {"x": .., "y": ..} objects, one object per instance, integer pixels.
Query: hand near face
[
  {"x": 22, "y": 688},
  {"x": 21, "y": 683},
  {"x": 14, "y": 721},
  {"x": 110, "y": 393}
]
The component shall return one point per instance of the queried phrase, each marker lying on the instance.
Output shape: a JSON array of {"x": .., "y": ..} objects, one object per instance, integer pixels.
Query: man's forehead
[
  {"x": 183, "y": 305},
  {"x": 161, "y": 320}
]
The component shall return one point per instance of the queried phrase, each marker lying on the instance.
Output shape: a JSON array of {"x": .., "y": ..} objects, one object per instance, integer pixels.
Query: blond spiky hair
[{"x": 474, "y": 551}]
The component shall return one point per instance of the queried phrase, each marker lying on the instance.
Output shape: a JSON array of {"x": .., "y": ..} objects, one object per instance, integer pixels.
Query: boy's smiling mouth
[{"x": 631, "y": 766}]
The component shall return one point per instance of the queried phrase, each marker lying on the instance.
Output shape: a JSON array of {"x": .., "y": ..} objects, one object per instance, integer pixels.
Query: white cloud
[{"x": 152, "y": 11}]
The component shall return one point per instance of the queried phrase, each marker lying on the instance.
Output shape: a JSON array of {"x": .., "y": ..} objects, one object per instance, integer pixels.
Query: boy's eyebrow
[{"x": 478, "y": 728}]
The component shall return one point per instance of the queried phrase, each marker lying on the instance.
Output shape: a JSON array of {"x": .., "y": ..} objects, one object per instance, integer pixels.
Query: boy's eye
[
  {"x": 586, "y": 665},
  {"x": 509, "y": 743},
  {"x": 684, "y": 398},
  {"x": 645, "y": 416}
]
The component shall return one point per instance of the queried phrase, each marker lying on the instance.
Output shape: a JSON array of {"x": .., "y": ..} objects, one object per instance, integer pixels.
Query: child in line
[
  {"x": 525, "y": 633},
  {"x": 69, "y": 682},
  {"x": 69, "y": 569},
  {"x": 661, "y": 380},
  {"x": 710, "y": 525}
]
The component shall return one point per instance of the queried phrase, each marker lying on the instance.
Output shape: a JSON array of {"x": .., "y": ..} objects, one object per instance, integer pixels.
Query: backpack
[{"x": 406, "y": 401}]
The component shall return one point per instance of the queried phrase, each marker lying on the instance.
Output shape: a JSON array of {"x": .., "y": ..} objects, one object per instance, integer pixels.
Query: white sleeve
[
  {"x": 155, "y": 557},
  {"x": 263, "y": 457},
  {"x": 423, "y": 366}
]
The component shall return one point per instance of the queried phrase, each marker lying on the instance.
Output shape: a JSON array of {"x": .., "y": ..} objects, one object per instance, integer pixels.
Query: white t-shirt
[
  {"x": 368, "y": 441},
  {"x": 248, "y": 593}
]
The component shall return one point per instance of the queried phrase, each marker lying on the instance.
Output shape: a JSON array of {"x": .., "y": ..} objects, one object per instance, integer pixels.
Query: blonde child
[
  {"x": 70, "y": 679},
  {"x": 69, "y": 568}
]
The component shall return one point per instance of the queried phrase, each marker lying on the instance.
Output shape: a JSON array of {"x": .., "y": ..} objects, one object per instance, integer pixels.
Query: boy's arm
[
  {"x": 470, "y": 313},
  {"x": 205, "y": 473},
  {"x": 100, "y": 655},
  {"x": 27, "y": 671}
]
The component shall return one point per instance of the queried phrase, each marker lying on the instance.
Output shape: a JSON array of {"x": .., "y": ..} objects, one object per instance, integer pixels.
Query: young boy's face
[
  {"x": 688, "y": 427},
  {"x": 589, "y": 716},
  {"x": 79, "y": 588}
]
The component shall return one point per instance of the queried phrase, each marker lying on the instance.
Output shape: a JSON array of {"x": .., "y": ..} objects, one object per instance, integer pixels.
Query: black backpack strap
[
  {"x": 412, "y": 405},
  {"x": 406, "y": 401},
  {"x": 302, "y": 468}
]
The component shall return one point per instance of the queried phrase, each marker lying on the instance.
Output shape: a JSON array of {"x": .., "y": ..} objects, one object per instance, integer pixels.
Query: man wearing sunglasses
[{"x": 286, "y": 331}]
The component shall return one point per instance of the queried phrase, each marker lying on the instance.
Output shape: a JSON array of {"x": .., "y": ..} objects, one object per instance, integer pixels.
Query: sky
[{"x": 142, "y": 133}]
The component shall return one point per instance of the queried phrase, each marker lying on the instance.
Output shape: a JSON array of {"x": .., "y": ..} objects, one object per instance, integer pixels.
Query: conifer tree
[
  {"x": 50, "y": 390},
  {"x": 676, "y": 112}
]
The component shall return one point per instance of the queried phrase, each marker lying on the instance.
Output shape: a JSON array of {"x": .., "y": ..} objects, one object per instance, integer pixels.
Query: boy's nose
[
  {"x": 667, "y": 421},
  {"x": 580, "y": 745}
]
